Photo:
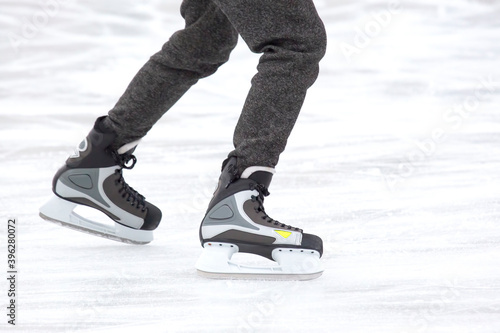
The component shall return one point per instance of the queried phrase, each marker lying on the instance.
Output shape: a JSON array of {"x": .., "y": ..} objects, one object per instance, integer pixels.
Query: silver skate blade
[
  {"x": 60, "y": 211},
  {"x": 256, "y": 276},
  {"x": 292, "y": 264}
]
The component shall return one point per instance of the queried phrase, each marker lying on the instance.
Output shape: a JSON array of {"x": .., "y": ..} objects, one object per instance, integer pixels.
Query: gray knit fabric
[{"x": 292, "y": 40}]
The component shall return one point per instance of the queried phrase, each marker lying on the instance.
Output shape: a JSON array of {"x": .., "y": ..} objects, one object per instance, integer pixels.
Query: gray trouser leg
[
  {"x": 292, "y": 40},
  {"x": 190, "y": 54}
]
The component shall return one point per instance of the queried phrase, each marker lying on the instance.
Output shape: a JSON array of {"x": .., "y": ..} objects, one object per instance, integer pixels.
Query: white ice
[{"x": 394, "y": 162}]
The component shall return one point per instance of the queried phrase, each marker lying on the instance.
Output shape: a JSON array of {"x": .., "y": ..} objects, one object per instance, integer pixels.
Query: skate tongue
[
  {"x": 128, "y": 148},
  {"x": 261, "y": 175}
]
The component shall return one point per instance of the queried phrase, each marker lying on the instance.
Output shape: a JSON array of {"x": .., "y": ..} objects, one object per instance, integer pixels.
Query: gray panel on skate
[
  {"x": 83, "y": 181},
  {"x": 91, "y": 173},
  {"x": 222, "y": 213},
  {"x": 225, "y": 207}
]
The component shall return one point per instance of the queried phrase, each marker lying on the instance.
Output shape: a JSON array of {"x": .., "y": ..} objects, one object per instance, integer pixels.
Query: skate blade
[
  {"x": 293, "y": 264},
  {"x": 257, "y": 276},
  {"x": 60, "y": 212}
]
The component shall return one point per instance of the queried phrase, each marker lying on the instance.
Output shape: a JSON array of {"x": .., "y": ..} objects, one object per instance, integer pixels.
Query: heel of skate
[
  {"x": 60, "y": 211},
  {"x": 291, "y": 264}
]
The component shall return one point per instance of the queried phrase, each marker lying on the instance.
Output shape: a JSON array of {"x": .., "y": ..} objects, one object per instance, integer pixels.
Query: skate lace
[
  {"x": 263, "y": 192},
  {"x": 128, "y": 193}
]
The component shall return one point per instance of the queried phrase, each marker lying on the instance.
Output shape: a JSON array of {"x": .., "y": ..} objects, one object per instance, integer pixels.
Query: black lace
[
  {"x": 123, "y": 159},
  {"x": 135, "y": 198},
  {"x": 263, "y": 192}
]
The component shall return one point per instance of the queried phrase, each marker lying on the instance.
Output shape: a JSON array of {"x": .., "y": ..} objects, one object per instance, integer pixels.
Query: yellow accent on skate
[{"x": 284, "y": 234}]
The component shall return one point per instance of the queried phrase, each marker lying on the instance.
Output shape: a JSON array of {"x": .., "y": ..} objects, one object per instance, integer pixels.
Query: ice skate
[
  {"x": 236, "y": 222},
  {"x": 92, "y": 176}
]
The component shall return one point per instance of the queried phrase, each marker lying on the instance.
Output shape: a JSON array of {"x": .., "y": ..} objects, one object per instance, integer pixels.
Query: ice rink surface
[{"x": 394, "y": 162}]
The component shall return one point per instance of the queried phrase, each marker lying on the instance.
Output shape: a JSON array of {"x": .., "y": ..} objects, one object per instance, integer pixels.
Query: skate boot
[
  {"x": 237, "y": 222},
  {"x": 92, "y": 176}
]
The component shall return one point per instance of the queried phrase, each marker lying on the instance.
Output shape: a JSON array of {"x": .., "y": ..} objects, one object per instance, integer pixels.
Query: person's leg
[
  {"x": 191, "y": 54},
  {"x": 292, "y": 38},
  {"x": 93, "y": 175}
]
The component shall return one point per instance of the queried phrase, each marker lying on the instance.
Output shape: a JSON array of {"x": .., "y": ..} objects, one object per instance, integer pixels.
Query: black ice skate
[
  {"x": 92, "y": 176},
  {"x": 236, "y": 222}
]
